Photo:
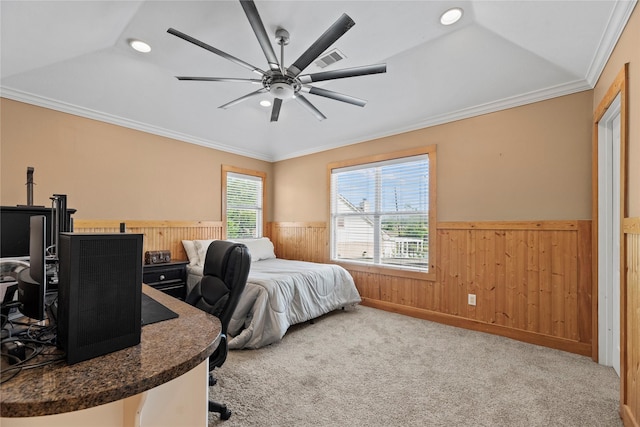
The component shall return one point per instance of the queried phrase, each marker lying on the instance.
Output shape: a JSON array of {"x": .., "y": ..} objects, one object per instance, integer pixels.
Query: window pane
[
  {"x": 380, "y": 213},
  {"x": 406, "y": 240},
  {"x": 354, "y": 241},
  {"x": 404, "y": 187},
  {"x": 244, "y": 206},
  {"x": 241, "y": 223}
]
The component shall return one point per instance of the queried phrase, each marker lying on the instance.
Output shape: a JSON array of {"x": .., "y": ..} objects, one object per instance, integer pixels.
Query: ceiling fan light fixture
[
  {"x": 282, "y": 90},
  {"x": 451, "y": 16},
  {"x": 285, "y": 83},
  {"x": 265, "y": 103},
  {"x": 139, "y": 45}
]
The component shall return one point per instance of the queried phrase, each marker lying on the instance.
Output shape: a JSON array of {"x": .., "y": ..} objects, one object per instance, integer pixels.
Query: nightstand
[{"x": 169, "y": 277}]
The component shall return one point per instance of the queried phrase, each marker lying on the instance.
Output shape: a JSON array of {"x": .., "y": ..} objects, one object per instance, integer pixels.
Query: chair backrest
[{"x": 225, "y": 272}]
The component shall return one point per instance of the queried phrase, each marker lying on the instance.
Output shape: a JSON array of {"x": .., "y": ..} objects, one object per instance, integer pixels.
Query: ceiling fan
[{"x": 287, "y": 83}]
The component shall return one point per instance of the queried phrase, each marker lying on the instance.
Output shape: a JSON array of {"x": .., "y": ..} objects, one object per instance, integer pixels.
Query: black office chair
[{"x": 226, "y": 268}]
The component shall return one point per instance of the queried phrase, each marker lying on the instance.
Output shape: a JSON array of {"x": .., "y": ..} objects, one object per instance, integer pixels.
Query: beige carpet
[{"x": 366, "y": 367}]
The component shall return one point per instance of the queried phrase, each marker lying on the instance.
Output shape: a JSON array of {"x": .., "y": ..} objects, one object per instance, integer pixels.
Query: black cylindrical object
[{"x": 30, "y": 186}]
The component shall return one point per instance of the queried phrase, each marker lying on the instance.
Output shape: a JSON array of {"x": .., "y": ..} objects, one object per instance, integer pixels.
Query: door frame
[
  {"x": 609, "y": 175},
  {"x": 618, "y": 87}
]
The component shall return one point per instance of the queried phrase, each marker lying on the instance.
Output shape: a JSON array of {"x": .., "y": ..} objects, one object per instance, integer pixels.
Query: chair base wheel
[
  {"x": 225, "y": 415},
  {"x": 224, "y": 412}
]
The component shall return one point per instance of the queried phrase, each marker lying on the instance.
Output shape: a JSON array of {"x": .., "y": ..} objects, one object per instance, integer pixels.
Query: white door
[{"x": 609, "y": 237}]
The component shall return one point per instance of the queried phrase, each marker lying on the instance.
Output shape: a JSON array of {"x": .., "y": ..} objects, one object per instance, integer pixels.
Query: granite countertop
[{"x": 167, "y": 350}]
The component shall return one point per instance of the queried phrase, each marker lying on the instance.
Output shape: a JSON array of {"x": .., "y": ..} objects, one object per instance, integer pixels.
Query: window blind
[
  {"x": 380, "y": 213},
  {"x": 244, "y": 206}
]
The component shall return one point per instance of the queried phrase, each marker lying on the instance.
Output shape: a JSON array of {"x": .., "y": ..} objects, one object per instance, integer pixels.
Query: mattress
[{"x": 280, "y": 293}]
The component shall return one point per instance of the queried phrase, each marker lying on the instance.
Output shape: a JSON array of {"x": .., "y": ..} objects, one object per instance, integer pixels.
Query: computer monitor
[
  {"x": 32, "y": 281},
  {"x": 14, "y": 228}
]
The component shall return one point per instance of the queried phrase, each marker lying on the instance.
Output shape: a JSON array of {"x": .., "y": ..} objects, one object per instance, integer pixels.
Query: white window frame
[
  {"x": 251, "y": 174},
  {"x": 424, "y": 273}
]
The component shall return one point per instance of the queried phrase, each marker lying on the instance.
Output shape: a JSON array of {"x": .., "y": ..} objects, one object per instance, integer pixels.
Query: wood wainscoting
[
  {"x": 302, "y": 241},
  {"x": 630, "y": 340},
  {"x": 158, "y": 235},
  {"x": 532, "y": 280}
]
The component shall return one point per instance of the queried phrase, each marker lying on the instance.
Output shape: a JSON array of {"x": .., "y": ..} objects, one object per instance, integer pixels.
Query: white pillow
[
  {"x": 192, "y": 253},
  {"x": 201, "y": 250},
  {"x": 258, "y": 248}
]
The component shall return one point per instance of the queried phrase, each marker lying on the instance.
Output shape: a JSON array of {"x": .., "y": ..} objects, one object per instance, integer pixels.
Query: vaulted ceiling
[{"x": 74, "y": 56}]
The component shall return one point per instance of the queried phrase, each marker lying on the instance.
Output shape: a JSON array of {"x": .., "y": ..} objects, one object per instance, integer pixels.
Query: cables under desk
[{"x": 27, "y": 345}]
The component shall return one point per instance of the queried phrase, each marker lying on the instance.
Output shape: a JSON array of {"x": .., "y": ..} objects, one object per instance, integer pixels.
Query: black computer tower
[{"x": 99, "y": 293}]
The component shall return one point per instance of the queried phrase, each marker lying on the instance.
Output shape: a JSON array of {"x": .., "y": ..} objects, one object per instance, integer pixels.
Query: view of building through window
[{"x": 380, "y": 213}]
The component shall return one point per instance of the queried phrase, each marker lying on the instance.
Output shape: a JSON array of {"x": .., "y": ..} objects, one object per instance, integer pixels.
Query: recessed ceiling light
[
  {"x": 451, "y": 16},
  {"x": 139, "y": 45},
  {"x": 265, "y": 103}
]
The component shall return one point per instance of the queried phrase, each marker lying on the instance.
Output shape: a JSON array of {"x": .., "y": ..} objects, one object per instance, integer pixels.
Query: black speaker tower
[{"x": 99, "y": 293}]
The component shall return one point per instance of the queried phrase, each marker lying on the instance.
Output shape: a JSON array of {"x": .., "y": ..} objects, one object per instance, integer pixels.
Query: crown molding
[
  {"x": 491, "y": 107},
  {"x": 615, "y": 26},
  {"x": 466, "y": 113},
  {"x": 40, "y": 101}
]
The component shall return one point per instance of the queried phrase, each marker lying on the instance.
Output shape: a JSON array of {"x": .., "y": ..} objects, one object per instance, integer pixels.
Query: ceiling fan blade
[
  {"x": 275, "y": 112},
  {"x": 225, "y": 55},
  {"x": 337, "y": 30},
  {"x": 335, "y": 95},
  {"x": 309, "y": 107},
  {"x": 258, "y": 28},
  {"x": 242, "y": 98},
  {"x": 346, "y": 72},
  {"x": 219, "y": 79}
]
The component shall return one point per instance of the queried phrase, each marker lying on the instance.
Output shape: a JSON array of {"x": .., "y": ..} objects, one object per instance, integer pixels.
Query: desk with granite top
[{"x": 162, "y": 380}]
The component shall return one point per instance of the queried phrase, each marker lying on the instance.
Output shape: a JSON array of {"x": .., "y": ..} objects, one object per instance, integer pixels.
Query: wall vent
[{"x": 332, "y": 56}]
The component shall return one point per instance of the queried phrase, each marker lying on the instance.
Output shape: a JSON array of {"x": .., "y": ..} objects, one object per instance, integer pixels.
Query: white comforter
[{"x": 281, "y": 293}]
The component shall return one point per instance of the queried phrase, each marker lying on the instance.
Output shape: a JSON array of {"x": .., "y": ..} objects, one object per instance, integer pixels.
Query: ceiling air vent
[{"x": 332, "y": 56}]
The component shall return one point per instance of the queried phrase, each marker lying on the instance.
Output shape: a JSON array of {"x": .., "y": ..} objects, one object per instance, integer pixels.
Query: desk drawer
[{"x": 173, "y": 288}]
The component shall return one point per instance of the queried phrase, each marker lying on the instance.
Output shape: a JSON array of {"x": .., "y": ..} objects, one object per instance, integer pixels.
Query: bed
[{"x": 279, "y": 292}]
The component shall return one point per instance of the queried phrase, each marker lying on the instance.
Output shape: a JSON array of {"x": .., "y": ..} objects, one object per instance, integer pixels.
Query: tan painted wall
[
  {"x": 108, "y": 171},
  {"x": 627, "y": 50},
  {"x": 526, "y": 163}
]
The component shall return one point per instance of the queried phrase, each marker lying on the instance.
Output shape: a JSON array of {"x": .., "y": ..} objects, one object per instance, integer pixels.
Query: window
[
  {"x": 243, "y": 202},
  {"x": 382, "y": 210}
]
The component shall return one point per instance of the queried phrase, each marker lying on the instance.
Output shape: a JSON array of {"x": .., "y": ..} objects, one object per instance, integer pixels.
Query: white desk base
[{"x": 182, "y": 402}]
